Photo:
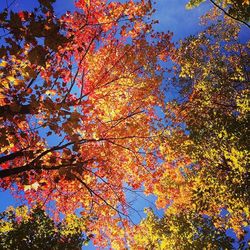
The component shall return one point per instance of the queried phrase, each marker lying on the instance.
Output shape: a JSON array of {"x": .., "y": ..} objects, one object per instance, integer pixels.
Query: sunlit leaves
[
  {"x": 183, "y": 231},
  {"x": 212, "y": 76},
  {"x": 80, "y": 97},
  {"x": 79, "y": 108}
]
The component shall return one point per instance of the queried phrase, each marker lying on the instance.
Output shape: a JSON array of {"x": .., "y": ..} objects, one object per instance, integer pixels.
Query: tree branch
[
  {"x": 91, "y": 191},
  {"x": 227, "y": 14},
  {"x": 14, "y": 155},
  {"x": 21, "y": 109},
  {"x": 31, "y": 166}
]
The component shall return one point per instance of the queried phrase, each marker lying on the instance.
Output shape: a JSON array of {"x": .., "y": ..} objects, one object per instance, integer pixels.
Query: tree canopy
[
  {"x": 213, "y": 80},
  {"x": 84, "y": 121},
  {"x": 71, "y": 79},
  {"x": 204, "y": 185},
  {"x": 182, "y": 231},
  {"x": 21, "y": 229}
]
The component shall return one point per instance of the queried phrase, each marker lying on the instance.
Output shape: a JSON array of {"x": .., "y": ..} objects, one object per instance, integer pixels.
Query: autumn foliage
[
  {"x": 80, "y": 129},
  {"x": 204, "y": 184},
  {"x": 88, "y": 81},
  {"x": 24, "y": 229}
]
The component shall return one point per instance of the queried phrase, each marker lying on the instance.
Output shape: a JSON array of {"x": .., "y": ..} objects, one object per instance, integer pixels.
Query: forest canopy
[{"x": 87, "y": 122}]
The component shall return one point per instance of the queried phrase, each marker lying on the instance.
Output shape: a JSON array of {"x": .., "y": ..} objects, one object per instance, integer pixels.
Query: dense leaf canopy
[
  {"x": 21, "y": 229},
  {"x": 84, "y": 121}
]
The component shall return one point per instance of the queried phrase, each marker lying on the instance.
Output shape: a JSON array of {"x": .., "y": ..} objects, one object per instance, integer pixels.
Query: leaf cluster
[{"x": 23, "y": 229}]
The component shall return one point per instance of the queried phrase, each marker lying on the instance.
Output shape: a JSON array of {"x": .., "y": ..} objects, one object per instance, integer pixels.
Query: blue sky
[{"x": 172, "y": 16}]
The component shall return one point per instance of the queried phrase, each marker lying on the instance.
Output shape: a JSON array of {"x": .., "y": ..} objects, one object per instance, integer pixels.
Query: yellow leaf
[
  {"x": 3, "y": 64},
  {"x": 95, "y": 136},
  {"x": 34, "y": 186},
  {"x": 50, "y": 92},
  {"x": 11, "y": 78}
]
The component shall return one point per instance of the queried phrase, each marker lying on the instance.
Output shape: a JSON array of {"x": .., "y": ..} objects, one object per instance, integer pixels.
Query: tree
[
  {"x": 203, "y": 181},
  {"x": 79, "y": 127},
  {"x": 183, "y": 231},
  {"x": 78, "y": 97},
  {"x": 213, "y": 79},
  {"x": 22, "y": 229}
]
